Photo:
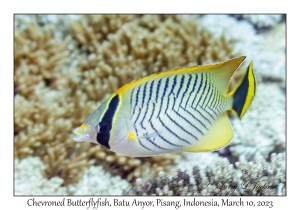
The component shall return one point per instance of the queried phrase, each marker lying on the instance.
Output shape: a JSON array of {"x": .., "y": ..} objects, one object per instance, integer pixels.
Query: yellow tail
[{"x": 244, "y": 92}]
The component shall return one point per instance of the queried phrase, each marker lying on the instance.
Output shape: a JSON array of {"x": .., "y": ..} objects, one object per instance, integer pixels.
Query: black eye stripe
[
  {"x": 111, "y": 110},
  {"x": 107, "y": 119},
  {"x": 103, "y": 127}
]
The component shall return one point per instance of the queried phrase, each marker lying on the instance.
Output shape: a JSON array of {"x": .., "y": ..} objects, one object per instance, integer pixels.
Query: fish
[{"x": 180, "y": 110}]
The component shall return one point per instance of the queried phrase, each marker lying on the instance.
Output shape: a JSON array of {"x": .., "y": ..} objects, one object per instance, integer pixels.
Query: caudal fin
[{"x": 244, "y": 92}]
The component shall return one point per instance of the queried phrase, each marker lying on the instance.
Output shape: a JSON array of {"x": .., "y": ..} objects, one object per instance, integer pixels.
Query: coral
[
  {"x": 259, "y": 178},
  {"x": 205, "y": 158},
  {"x": 140, "y": 47},
  {"x": 130, "y": 167},
  {"x": 29, "y": 179},
  {"x": 277, "y": 35},
  {"x": 204, "y": 182},
  {"x": 267, "y": 131},
  {"x": 40, "y": 56},
  {"x": 261, "y": 20},
  {"x": 267, "y": 63},
  {"x": 44, "y": 130},
  {"x": 97, "y": 181}
]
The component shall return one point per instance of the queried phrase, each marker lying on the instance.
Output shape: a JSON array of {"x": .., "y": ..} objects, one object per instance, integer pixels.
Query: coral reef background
[{"x": 66, "y": 65}]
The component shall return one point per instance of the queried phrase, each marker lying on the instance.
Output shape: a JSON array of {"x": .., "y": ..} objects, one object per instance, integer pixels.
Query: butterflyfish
[{"x": 181, "y": 110}]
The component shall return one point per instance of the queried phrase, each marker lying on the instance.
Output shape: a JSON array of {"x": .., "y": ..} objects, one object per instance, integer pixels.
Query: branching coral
[
  {"x": 207, "y": 182},
  {"x": 268, "y": 63},
  {"x": 97, "y": 181},
  {"x": 139, "y": 47},
  {"x": 261, "y": 20},
  {"x": 44, "y": 130},
  {"x": 259, "y": 178},
  {"x": 40, "y": 55},
  {"x": 268, "y": 131},
  {"x": 29, "y": 179}
]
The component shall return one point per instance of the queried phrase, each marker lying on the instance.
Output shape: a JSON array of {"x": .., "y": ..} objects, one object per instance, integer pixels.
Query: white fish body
[{"x": 180, "y": 110}]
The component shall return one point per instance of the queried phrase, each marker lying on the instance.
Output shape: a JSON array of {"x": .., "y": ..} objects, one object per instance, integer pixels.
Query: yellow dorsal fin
[
  {"x": 218, "y": 136},
  {"x": 220, "y": 73},
  {"x": 223, "y": 72}
]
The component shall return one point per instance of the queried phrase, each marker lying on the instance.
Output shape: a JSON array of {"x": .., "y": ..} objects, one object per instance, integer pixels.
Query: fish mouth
[
  {"x": 80, "y": 135},
  {"x": 84, "y": 133}
]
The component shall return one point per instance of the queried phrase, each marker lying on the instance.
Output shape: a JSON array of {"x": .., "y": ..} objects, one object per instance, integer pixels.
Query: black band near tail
[
  {"x": 104, "y": 136},
  {"x": 240, "y": 95}
]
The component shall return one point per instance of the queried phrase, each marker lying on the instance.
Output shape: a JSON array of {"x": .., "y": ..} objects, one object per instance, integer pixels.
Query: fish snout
[{"x": 85, "y": 133}]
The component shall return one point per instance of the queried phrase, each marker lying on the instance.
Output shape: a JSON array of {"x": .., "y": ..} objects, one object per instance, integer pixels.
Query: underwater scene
[{"x": 66, "y": 66}]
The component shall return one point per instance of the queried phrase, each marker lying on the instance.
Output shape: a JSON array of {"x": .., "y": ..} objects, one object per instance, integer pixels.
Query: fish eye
[{"x": 103, "y": 127}]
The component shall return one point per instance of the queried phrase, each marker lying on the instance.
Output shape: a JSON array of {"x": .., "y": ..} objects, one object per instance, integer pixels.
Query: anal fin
[{"x": 218, "y": 136}]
